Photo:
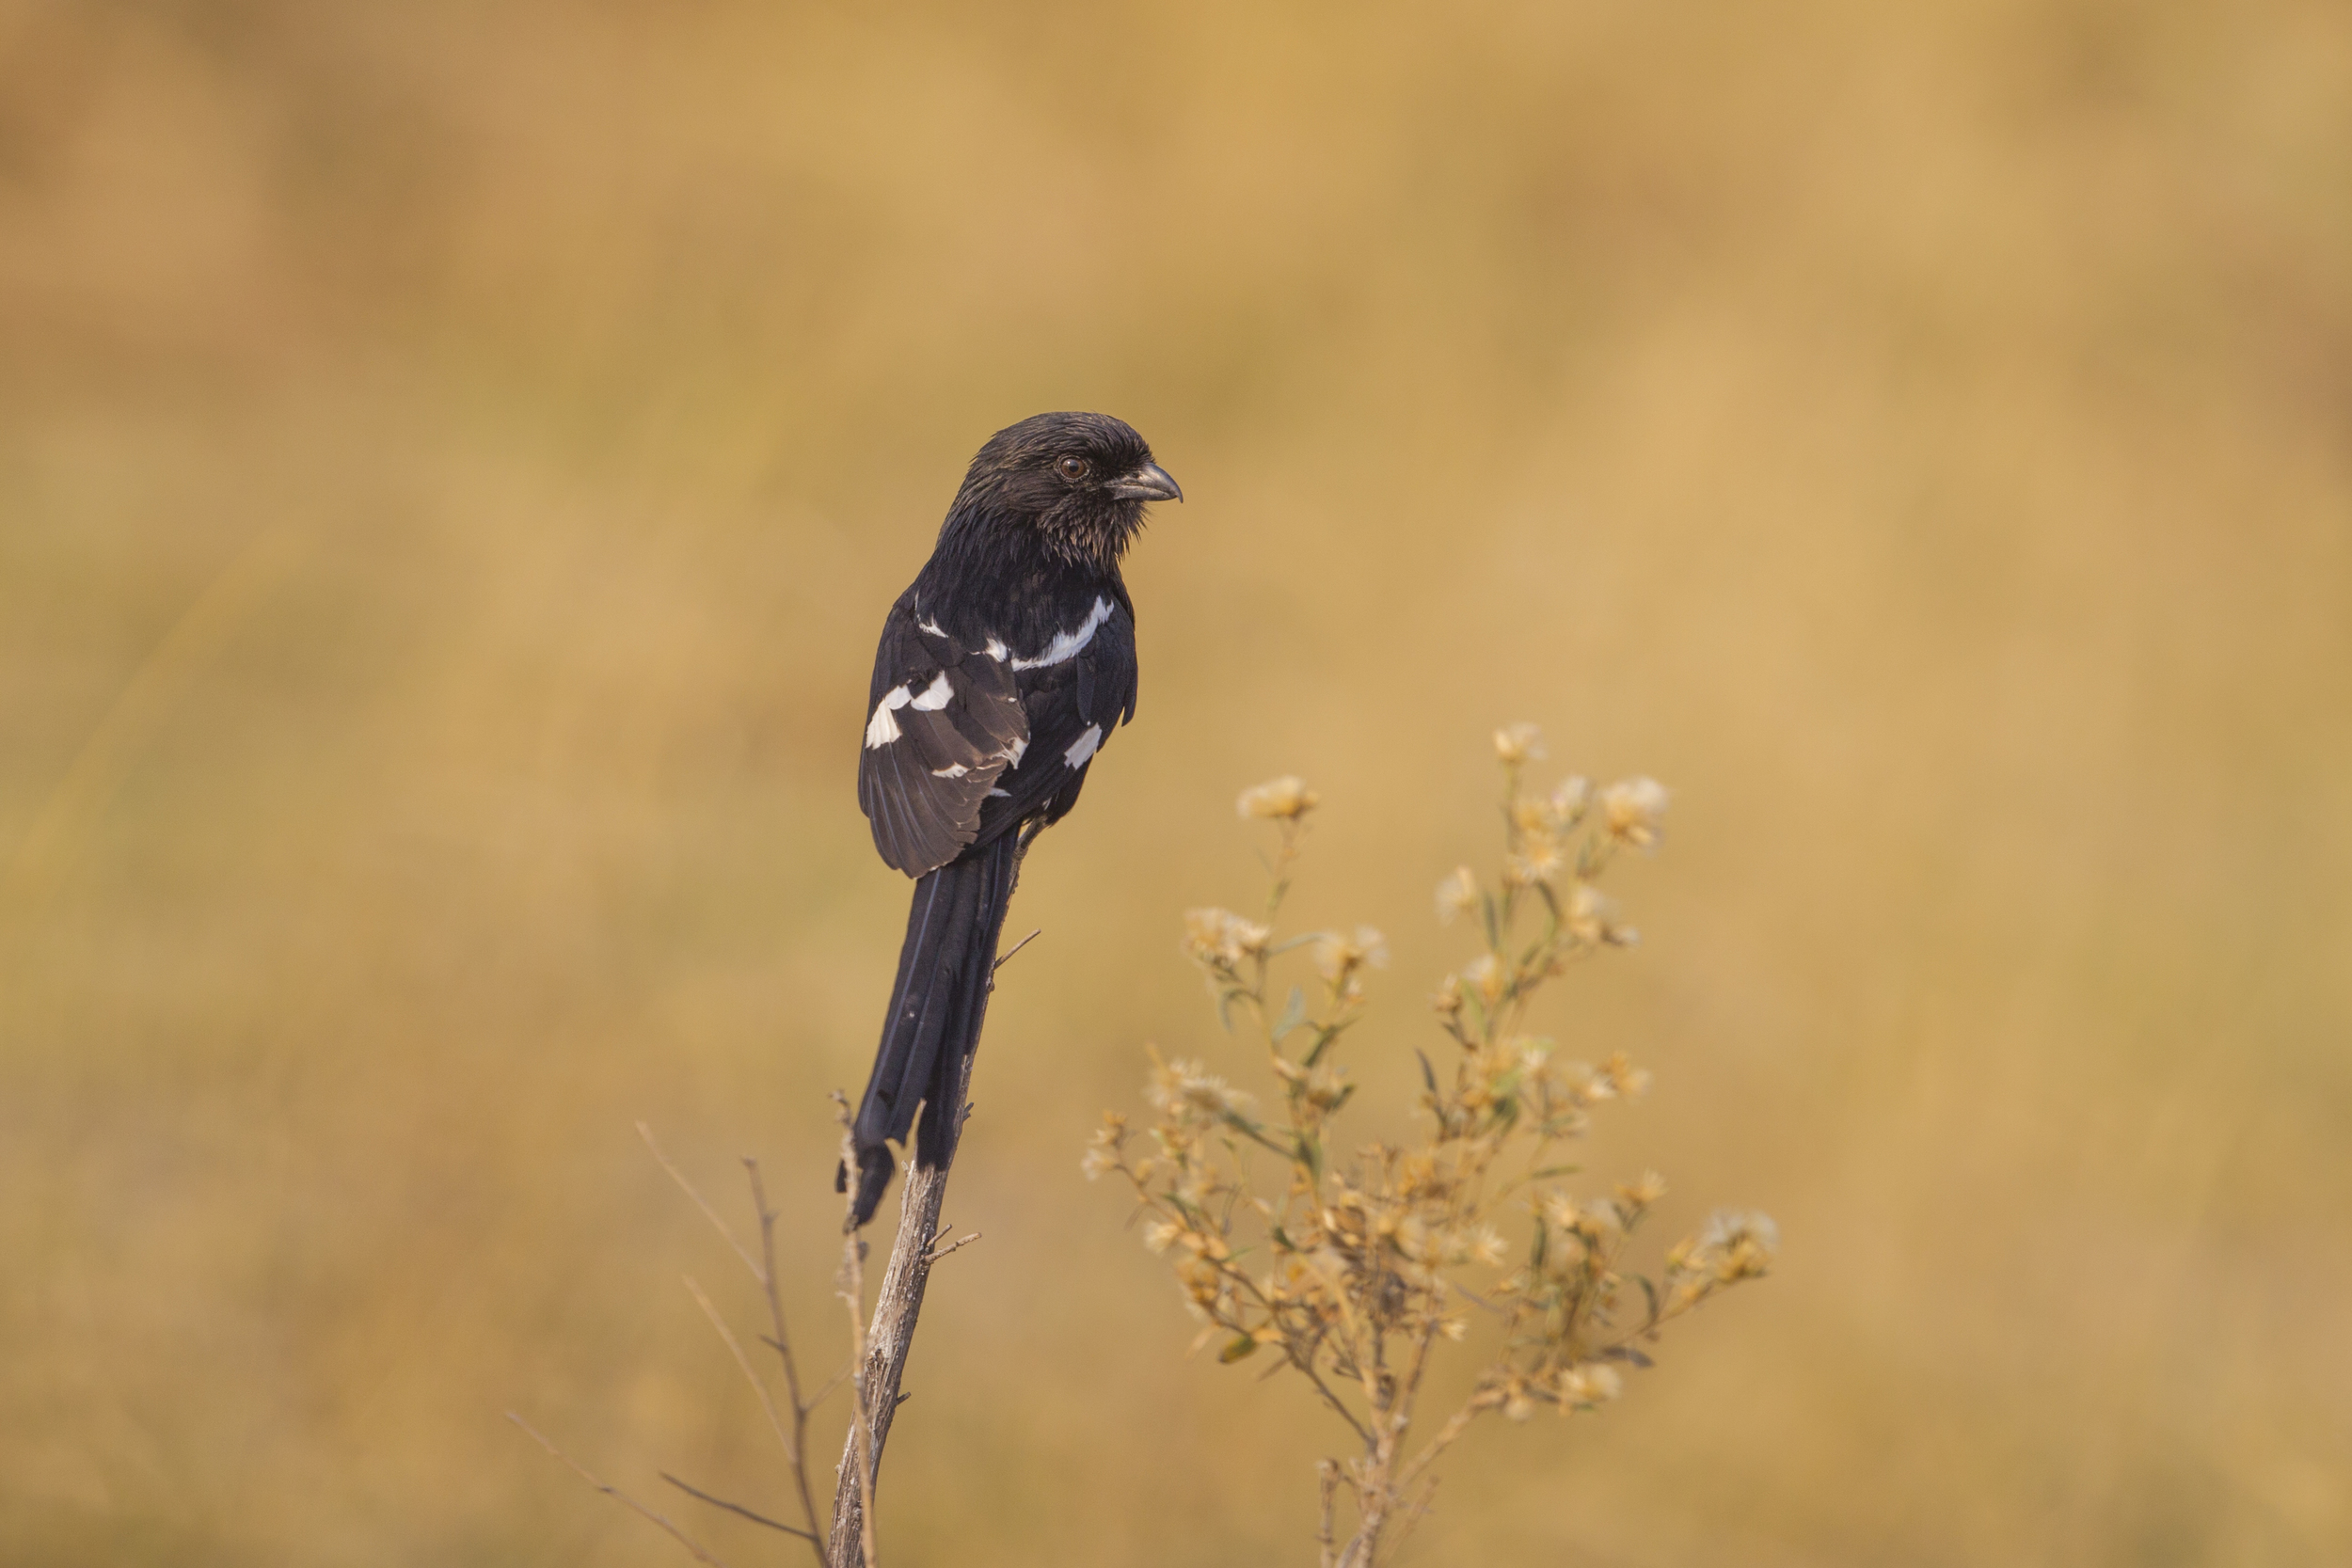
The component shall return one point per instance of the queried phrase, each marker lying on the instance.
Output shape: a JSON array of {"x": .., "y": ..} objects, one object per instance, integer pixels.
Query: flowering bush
[{"x": 1354, "y": 1266}]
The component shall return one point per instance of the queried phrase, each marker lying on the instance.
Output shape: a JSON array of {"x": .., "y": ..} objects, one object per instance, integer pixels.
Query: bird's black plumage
[{"x": 1001, "y": 671}]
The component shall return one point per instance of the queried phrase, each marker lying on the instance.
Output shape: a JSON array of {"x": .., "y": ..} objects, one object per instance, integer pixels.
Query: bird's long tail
[{"x": 936, "y": 1011}]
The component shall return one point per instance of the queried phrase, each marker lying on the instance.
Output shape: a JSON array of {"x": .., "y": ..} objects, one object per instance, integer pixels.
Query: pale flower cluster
[
  {"x": 1220, "y": 936},
  {"x": 1352, "y": 1264},
  {"x": 1287, "y": 797},
  {"x": 1515, "y": 744},
  {"x": 1634, "y": 810}
]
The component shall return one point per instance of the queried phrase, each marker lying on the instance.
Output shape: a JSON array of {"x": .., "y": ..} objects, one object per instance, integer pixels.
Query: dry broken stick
[
  {"x": 899, "y": 1303},
  {"x": 890, "y": 1336},
  {"x": 858, "y": 1462}
]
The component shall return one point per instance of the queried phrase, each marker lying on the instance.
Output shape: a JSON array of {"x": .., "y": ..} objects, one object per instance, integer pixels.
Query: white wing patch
[
  {"x": 1066, "y": 645},
  {"x": 953, "y": 771},
  {"x": 1083, "y": 747},
  {"x": 934, "y": 696},
  {"x": 929, "y": 626},
  {"x": 883, "y": 729},
  {"x": 1013, "y": 750}
]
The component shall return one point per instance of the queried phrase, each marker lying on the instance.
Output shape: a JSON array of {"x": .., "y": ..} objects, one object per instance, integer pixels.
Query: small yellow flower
[
  {"x": 1592, "y": 914},
  {"x": 1458, "y": 895},
  {"x": 1518, "y": 743},
  {"x": 1633, "y": 810},
  {"x": 1486, "y": 972},
  {"x": 1643, "y": 1193},
  {"x": 1626, "y": 1080},
  {"x": 1286, "y": 799},
  {"x": 1447, "y": 998},
  {"x": 1339, "y": 955},
  {"x": 1742, "y": 1243},
  {"x": 1539, "y": 860},
  {"x": 1189, "y": 1086},
  {"x": 1594, "y": 1382},
  {"x": 1570, "y": 802},
  {"x": 1223, "y": 937}
]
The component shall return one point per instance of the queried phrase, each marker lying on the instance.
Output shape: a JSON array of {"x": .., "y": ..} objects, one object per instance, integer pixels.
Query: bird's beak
[{"x": 1150, "y": 482}]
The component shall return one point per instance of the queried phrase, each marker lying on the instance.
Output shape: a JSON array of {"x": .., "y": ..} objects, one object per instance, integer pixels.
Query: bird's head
[{"x": 1081, "y": 480}]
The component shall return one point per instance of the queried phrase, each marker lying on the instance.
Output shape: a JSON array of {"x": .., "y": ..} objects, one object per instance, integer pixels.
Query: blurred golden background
[{"x": 454, "y": 462}]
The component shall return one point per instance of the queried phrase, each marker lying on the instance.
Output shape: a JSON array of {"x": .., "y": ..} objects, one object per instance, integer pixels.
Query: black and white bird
[{"x": 1001, "y": 673}]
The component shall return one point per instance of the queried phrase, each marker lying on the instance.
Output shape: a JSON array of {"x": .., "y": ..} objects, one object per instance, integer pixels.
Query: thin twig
[
  {"x": 791, "y": 1454},
  {"x": 700, "y": 1495},
  {"x": 618, "y": 1495},
  {"x": 1333, "y": 1399},
  {"x": 830, "y": 1384},
  {"x": 1004, "y": 958},
  {"x": 1327, "y": 1473},
  {"x": 783, "y": 1342},
  {"x": 763, "y": 1269},
  {"x": 1418, "y": 1510},
  {"x": 957, "y": 1245},
  {"x": 1458, "y": 1424},
  {"x": 699, "y": 1202}
]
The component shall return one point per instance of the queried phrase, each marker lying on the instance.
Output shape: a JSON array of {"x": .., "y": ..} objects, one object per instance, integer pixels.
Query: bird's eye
[{"x": 1072, "y": 469}]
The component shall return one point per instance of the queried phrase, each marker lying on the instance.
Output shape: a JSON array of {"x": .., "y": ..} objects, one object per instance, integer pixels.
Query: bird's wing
[
  {"x": 1073, "y": 702},
  {"x": 944, "y": 722}
]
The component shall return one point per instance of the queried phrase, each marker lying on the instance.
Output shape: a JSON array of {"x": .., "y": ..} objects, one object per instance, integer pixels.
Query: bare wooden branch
[
  {"x": 696, "y": 1547},
  {"x": 899, "y": 1300},
  {"x": 864, "y": 1444}
]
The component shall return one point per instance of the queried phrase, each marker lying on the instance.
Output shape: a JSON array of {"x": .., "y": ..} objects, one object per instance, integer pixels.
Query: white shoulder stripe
[
  {"x": 1066, "y": 645},
  {"x": 935, "y": 695}
]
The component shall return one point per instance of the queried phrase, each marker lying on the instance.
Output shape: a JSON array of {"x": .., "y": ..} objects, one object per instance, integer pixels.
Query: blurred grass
[{"x": 454, "y": 460}]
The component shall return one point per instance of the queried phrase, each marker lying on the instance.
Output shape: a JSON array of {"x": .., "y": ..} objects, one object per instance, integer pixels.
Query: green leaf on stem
[{"x": 1293, "y": 1014}]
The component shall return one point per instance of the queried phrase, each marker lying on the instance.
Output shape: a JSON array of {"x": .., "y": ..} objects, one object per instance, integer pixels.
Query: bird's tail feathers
[{"x": 936, "y": 1008}]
